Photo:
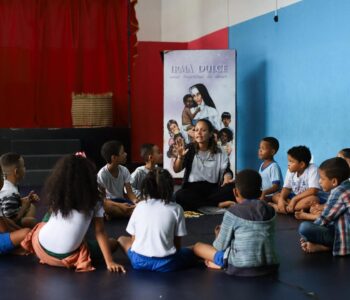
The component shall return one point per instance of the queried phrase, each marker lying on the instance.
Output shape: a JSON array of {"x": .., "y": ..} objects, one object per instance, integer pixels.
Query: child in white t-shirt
[
  {"x": 301, "y": 186},
  {"x": 156, "y": 227},
  {"x": 152, "y": 157},
  {"x": 114, "y": 179},
  {"x": 74, "y": 203}
]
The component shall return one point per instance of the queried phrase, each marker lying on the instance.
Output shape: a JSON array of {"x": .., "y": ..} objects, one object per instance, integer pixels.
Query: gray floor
[{"x": 301, "y": 276}]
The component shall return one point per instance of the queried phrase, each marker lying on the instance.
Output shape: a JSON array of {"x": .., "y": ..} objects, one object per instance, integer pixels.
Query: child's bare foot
[
  {"x": 309, "y": 247},
  {"x": 303, "y": 244},
  {"x": 211, "y": 265}
]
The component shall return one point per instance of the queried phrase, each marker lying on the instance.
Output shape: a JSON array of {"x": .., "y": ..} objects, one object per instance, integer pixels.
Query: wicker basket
[{"x": 92, "y": 110}]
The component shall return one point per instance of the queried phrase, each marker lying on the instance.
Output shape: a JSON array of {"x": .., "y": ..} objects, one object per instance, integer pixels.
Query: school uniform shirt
[
  {"x": 337, "y": 213},
  {"x": 64, "y": 235},
  {"x": 270, "y": 175},
  {"x": 154, "y": 225},
  {"x": 209, "y": 167},
  {"x": 136, "y": 179},
  {"x": 114, "y": 185},
  {"x": 10, "y": 199},
  {"x": 299, "y": 184}
]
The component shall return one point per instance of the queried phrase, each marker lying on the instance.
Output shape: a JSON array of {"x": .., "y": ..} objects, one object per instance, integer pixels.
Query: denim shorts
[
  {"x": 6, "y": 244},
  {"x": 182, "y": 259}
]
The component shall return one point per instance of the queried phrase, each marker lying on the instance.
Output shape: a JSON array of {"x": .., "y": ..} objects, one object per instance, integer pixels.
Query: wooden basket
[{"x": 92, "y": 110}]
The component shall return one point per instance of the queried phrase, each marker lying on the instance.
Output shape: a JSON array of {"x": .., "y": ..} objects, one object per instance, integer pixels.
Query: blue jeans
[{"x": 317, "y": 234}]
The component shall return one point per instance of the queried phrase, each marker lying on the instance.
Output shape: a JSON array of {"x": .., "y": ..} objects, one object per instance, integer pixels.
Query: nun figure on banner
[{"x": 207, "y": 108}]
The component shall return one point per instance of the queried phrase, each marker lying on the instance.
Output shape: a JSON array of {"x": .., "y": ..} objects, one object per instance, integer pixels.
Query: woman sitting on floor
[{"x": 208, "y": 179}]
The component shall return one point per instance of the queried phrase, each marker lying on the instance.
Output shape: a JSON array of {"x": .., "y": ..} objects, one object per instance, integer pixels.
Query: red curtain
[{"x": 51, "y": 48}]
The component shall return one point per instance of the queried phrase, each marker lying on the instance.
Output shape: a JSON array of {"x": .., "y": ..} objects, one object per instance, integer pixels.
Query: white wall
[
  {"x": 148, "y": 13},
  {"x": 187, "y": 20}
]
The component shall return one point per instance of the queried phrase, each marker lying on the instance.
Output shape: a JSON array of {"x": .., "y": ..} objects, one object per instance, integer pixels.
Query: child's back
[
  {"x": 251, "y": 225},
  {"x": 74, "y": 202},
  {"x": 244, "y": 243},
  {"x": 156, "y": 227},
  {"x": 155, "y": 224}
]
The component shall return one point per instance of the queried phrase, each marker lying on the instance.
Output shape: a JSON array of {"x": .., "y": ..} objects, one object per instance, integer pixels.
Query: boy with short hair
[
  {"x": 113, "y": 178},
  {"x": 20, "y": 210},
  {"x": 152, "y": 157},
  {"x": 10, "y": 234},
  {"x": 330, "y": 232},
  {"x": 269, "y": 170},
  {"x": 244, "y": 245},
  {"x": 301, "y": 186}
]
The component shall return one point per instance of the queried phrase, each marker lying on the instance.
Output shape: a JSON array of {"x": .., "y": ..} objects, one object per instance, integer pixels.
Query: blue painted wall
[{"x": 293, "y": 80}]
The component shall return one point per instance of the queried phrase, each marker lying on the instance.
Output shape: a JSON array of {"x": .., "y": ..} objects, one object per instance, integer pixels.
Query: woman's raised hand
[{"x": 180, "y": 148}]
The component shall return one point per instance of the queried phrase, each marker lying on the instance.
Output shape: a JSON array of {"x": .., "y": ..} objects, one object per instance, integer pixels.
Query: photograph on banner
[{"x": 199, "y": 84}]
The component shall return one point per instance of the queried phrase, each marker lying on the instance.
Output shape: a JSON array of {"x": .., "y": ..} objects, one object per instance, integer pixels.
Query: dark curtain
[{"x": 51, "y": 48}]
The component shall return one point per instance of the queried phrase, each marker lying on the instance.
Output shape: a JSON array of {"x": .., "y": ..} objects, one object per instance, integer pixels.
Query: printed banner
[{"x": 199, "y": 84}]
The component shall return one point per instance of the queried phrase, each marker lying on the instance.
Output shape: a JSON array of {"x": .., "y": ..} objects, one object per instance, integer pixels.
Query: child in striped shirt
[{"x": 330, "y": 231}]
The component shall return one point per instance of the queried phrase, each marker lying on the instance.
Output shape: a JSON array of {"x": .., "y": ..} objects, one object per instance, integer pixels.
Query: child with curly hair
[{"x": 74, "y": 202}]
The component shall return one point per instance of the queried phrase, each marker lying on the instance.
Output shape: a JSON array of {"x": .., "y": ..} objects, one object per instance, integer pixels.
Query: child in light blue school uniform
[{"x": 269, "y": 170}]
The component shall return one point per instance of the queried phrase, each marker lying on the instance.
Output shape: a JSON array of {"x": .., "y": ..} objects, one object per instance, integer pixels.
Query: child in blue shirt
[{"x": 269, "y": 170}]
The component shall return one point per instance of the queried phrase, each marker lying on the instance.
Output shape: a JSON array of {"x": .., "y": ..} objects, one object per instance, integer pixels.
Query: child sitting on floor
[
  {"x": 152, "y": 157},
  {"x": 20, "y": 210},
  {"x": 330, "y": 232},
  {"x": 114, "y": 178},
  {"x": 301, "y": 186},
  {"x": 269, "y": 170},
  {"x": 244, "y": 245},
  {"x": 74, "y": 201},
  {"x": 316, "y": 208},
  {"x": 156, "y": 227},
  {"x": 11, "y": 235}
]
